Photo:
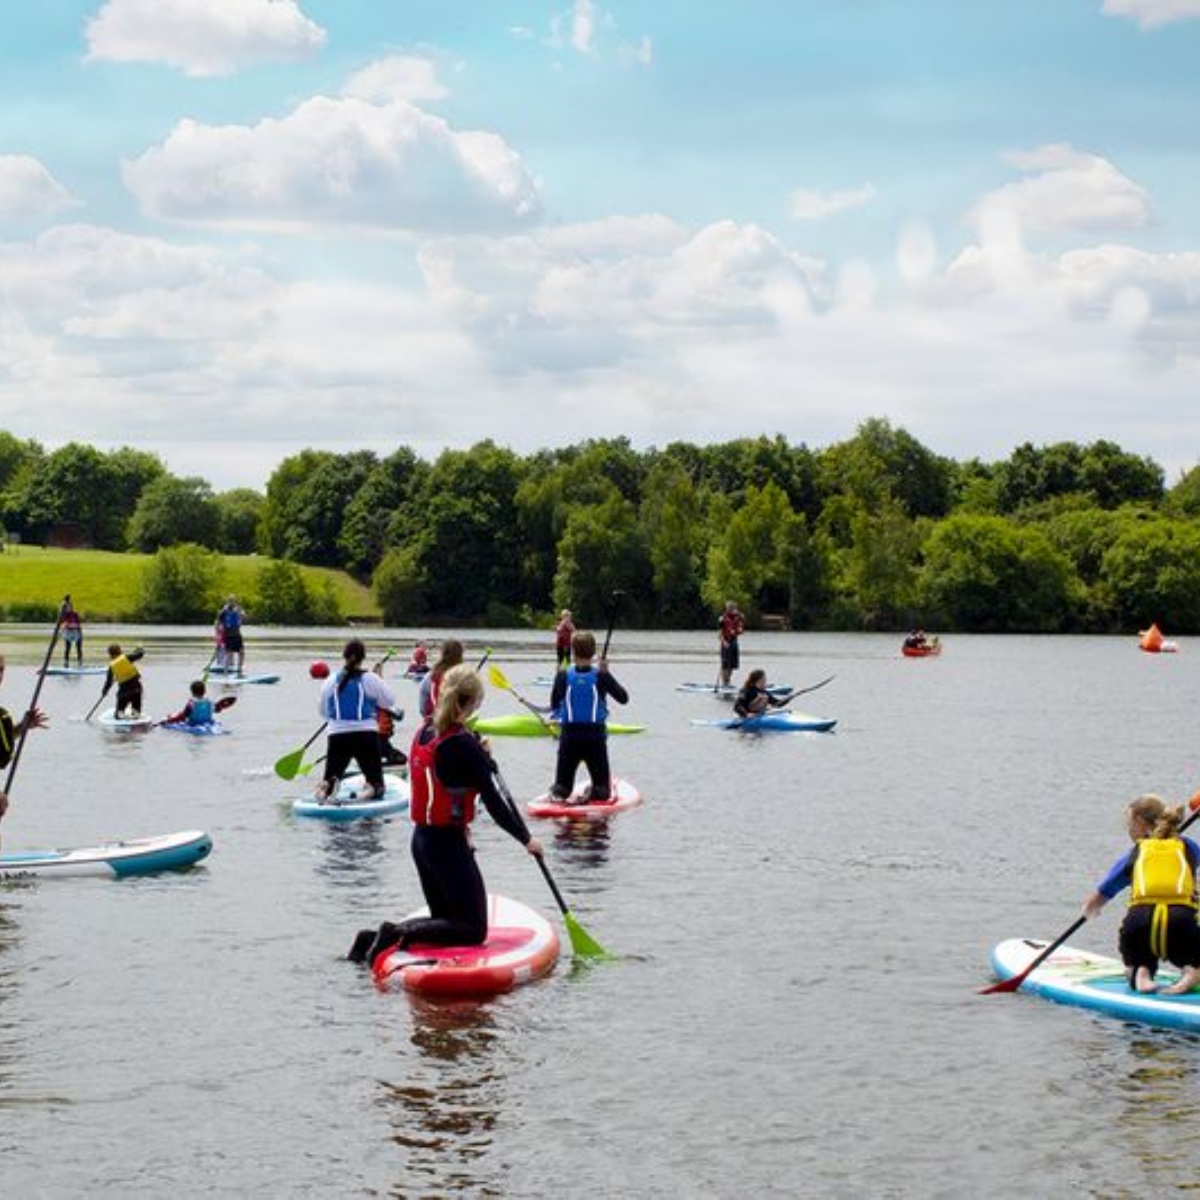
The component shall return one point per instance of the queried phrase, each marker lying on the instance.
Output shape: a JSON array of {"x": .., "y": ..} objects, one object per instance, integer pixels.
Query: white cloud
[
  {"x": 1067, "y": 190},
  {"x": 1151, "y": 14},
  {"x": 583, "y": 26},
  {"x": 639, "y": 53},
  {"x": 27, "y": 189},
  {"x": 588, "y": 30},
  {"x": 399, "y": 77},
  {"x": 809, "y": 205},
  {"x": 338, "y": 163},
  {"x": 202, "y": 37}
]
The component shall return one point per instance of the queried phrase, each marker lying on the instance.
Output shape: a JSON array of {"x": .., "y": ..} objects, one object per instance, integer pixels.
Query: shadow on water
[{"x": 444, "y": 1114}]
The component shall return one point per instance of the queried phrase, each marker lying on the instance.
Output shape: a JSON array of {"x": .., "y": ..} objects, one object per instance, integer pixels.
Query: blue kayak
[
  {"x": 208, "y": 729},
  {"x": 778, "y": 721}
]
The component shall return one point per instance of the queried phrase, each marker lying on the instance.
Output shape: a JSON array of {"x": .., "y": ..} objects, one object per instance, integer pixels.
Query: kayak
[
  {"x": 778, "y": 721},
  {"x": 1096, "y": 982},
  {"x": 521, "y": 946},
  {"x": 113, "y": 860},
  {"x": 208, "y": 729},
  {"x": 729, "y": 691},
  {"x": 578, "y": 808},
  {"x": 528, "y": 725},
  {"x": 75, "y": 671},
  {"x": 227, "y": 680},
  {"x": 926, "y": 651},
  {"x": 109, "y": 719},
  {"x": 346, "y": 806}
]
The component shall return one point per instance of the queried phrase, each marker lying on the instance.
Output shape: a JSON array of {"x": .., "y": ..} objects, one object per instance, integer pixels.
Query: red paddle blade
[
  {"x": 1005, "y": 985},
  {"x": 224, "y": 703}
]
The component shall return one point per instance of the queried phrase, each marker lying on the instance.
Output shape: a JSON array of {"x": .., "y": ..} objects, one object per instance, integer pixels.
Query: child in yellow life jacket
[
  {"x": 1160, "y": 872},
  {"x": 128, "y": 679}
]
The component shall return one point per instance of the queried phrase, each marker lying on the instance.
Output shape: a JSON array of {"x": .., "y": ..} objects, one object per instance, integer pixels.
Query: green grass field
[{"x": 104, "y": 586}]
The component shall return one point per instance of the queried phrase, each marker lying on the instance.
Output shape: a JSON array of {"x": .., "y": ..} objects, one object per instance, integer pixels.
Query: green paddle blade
[
  {"x": 288, "y": 767},
  {"x": 582, "y": 942}
]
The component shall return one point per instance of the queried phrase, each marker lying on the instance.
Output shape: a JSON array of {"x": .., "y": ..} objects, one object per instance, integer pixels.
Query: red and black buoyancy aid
[{"x": 431, "y": 801}]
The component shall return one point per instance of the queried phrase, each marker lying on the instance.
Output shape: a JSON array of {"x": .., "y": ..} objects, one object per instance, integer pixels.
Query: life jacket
[
  {"x": 349, "y": 701},
  {"x": 71, "y": 620},
  {"x": 200, "y": 712},
  {"x": 123, "y": 671},
  {"x": 230, "y": 618},
  {"x": 582, "y": 702},
  {"x": 7, "y": 734},
  {"x": 431, "y": 802},
  {"x": 1162, "y": 873}
]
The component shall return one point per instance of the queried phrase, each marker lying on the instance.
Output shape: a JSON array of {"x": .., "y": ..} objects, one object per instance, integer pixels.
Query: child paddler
[
  {"x": 1160, "y": 872},
  {"x": 123, "y": 672},
  {"x": 197, "y": 711}
]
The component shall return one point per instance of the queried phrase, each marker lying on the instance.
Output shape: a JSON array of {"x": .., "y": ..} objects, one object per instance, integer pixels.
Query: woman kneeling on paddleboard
[
  {"x": 449, "y": 769},
  {"x": 350, "y": 702},
  {"x": 1160, "y": 872}
]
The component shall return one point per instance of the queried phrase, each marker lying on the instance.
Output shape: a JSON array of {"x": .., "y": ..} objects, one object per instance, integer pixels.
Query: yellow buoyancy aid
[
  {"x": 122, "y": 669},
  {"x": 1162, "y": 873}
]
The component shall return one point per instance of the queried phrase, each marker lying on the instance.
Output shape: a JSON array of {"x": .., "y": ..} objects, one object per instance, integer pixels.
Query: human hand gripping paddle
[
  {"x": 1011, "y": 985},
  {"x": 582, "y": 942},
  {"x": 500, "y": 680},
  {"x": 33, "y": 718}
]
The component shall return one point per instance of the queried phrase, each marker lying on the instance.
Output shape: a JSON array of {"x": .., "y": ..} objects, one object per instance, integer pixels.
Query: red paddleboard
[
  {"x": 578, "y": 808},
  {"x": 521, "y": 946}
]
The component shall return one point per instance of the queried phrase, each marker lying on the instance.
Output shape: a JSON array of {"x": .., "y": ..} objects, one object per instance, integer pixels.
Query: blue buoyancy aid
[
  {"x": 582, "y": 703},
  {"x": 349, "y": 700}
]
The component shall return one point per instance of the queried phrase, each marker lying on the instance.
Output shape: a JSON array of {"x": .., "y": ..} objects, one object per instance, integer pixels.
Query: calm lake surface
[{"x": 801, "y": 922}]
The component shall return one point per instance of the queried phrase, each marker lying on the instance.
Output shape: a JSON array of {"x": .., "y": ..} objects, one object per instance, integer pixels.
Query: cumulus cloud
[
  {"x": 338, "y": 163},
  {"x": 202, "y": 37},
  {"x": 27, "y": 189},
  {"x": 1151, "y": 14},
  {"x": 1066, "y": 190},
  {"x": 398, "y": 77},
  {"x": 809, "y": 205}
]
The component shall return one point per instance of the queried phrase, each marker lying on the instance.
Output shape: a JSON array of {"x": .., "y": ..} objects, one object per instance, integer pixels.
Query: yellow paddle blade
[{"x": 498, "y": 678}]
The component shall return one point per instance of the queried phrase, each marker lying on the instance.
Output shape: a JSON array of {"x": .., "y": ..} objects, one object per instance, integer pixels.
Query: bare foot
[
  {"x": 1185, "y": 983},
  {"x": 1144, "y": 981}
]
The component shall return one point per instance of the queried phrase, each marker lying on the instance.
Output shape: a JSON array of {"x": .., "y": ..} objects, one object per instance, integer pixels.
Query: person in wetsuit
[{"x": 754, "y": 698}]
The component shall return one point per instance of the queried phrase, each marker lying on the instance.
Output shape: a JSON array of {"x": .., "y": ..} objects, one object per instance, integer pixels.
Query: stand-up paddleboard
[
  {"x": 113, "y": 860},
  {"x": 521, "y": 946},
  {"x": 1097, "y": 982},
  {"x": 207, "y": 729},
  {"x": 109, "y": 719},
  {"x": 75, "y": 671},
  {"x": 729, "y": 691},
  {"x": 528, "y": 725},
  {"x": 779, "y": 721},
  {"x": 579, "y": 808},
  {"x": 346, "y": 805},
  {"x": 233, "y": 680}
]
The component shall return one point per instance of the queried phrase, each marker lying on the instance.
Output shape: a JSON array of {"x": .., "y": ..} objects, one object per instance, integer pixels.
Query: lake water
[{"x": 801, "y": 923}]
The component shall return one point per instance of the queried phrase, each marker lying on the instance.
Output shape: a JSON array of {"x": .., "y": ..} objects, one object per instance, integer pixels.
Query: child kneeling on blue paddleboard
[{"x": 1160, "y": 872}]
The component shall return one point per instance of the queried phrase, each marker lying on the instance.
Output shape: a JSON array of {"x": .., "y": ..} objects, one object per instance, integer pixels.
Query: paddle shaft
[
  {"x": 804, "y": 691},
  {"x": 37, "y": 691},
  {"x": 1011, "y": 985},
  {"x": 613, "y": 605}
]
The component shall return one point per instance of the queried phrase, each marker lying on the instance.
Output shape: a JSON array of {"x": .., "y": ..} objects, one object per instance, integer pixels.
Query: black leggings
[
  {"x": 129, "y": 695},
  {"x": 360, "y": 745},
  {"x": 589, "y": 746},
  {"x": 453, "y": 888}
]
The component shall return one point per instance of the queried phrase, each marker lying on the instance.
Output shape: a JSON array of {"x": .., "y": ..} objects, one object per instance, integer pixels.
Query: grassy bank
[{"x": 105, "y": 586}]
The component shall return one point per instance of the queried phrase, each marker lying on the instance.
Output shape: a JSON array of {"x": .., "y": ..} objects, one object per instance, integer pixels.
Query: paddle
[
  {"x": 804, "y": 691},
  {"x": 582, "y": 942},
  {"x": 1011, "y": 985},
  {"x": 208, "y": 667},
  {"x": 28, "y": 719},
  {"x": 288, "y": 767},
  {"x": 613, "y": 604},
  {"x": 92, "y": 711},
  {"x": 500, "y": 680}
]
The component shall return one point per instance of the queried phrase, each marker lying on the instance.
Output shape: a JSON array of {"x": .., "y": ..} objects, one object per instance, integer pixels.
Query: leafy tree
[
  {"x": 283, "y": 596},
  {"x": 399, "y": 585},
  {"x": 1103, "y": 472},
  {"x": 239, "y": 513},
  {"x": 675, "y": 536},
  {"x": 880, "y": 566},
  {"x": 1151, "y": 572},
  {"x": 1183, "y": 499},
  {"x": 603, "y": 550},
  {"x": 173, "y": 510},
  {"x": 389, "y": 485},
  {"x": 285, "y": 491},
  {"x": 15, "y": 455},
  {"x": 182, "y": 585},
  {"x": 988, "y": 574}
]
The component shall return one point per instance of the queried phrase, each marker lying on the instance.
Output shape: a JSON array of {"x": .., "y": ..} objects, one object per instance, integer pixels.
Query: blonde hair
[
  {"x": 1163, "y": 822},
  {"x": 461, "y": 690}
]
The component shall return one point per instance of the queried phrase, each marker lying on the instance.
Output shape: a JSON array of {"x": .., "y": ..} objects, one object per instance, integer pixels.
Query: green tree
[
  {"x": 172, "y": 510},
  {"x": 880, "y": 566},
  {"x": 399, "y": 585},
  {"x": 988, "y": 574},
  {"x": 1183, "y": 500},
  {"x": 181, "y": 585},
  {"x": 239, "y": 513},
  {"x": 675, "y": 535},
  {"x": 285, "y": 491},
  {"x": 283, "y": 596},
  {"x": 389, "y": 485},
  {"x": 603, "y": 550},
  {"x": 1151, "y": 572}
]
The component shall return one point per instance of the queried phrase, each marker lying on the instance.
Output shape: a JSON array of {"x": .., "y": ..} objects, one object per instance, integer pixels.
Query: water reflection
[
  {"x": 584, "y": 842},
  {"x": 445, "y": 1112},
  {"x": 353, "y": 851}
]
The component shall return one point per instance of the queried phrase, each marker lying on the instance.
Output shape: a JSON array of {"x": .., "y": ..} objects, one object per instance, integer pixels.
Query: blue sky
[{"x": 232, "y": 229}]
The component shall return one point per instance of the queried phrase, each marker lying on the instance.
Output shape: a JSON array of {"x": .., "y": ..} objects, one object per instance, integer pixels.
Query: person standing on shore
[{"x": 731, "y": 627}]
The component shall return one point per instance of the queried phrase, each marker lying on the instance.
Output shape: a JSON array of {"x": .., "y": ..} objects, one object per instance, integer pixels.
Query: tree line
[{"x": 874, "y": 532}]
